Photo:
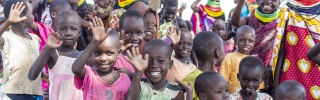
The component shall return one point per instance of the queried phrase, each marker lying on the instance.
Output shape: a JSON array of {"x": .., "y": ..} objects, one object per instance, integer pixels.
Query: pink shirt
[{"x": 94, "y": 88}]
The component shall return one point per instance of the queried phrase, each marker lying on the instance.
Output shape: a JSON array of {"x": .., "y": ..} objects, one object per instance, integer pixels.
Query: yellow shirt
[{"x": 229, "y": 69}]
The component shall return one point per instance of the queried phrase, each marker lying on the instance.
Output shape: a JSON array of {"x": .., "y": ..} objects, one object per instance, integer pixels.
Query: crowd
[{"x": 144, "y": 50}]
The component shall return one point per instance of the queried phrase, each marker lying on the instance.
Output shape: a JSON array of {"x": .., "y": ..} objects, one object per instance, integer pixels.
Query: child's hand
[
  {"x": 184, "y": 86},
  {"x": 15, "y": 12},
  {"x": 54, "y": 40},
  {"x": 98, "y": 30},
  {"x": 174, "y": 37},
  {"x": 136, "y": 59},
  {"x": 183, "y": 6},
  {"x": 253, "y": 94},
  {"x": 123, "y": 47}
]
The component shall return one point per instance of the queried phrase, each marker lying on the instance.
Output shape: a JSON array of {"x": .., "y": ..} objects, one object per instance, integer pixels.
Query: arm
[
  {"x": 35, "y": 5},
  {"x": 104, "y": 16},
  {"x": 195, "y": 7},
  {"x": 140, "y": 64},
  {"x": 45, "y": 57},
  {"x": 313, "y": 54},
  {"x": 181, "y": 9},
  {"x": 180, "y": 96},
  {"x": 14, "y": 17},
  {"x": 99, "y": 35},
  {"x": 187, "y": 88},
  {"x": 236, "y": 20},
  {"x": 74, "y": 4}
]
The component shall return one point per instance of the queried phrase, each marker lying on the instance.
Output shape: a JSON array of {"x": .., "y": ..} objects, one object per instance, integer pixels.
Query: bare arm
[
  {"x": 313, "y": 54},
  {"x": 46, "y": 56},
  {"x": 99, "y": 35},
  {"x": 180, "y": 96},
  {"x": 236, "y": 20},
  {"x": 140, "y": 64},
  {"x": 195, "y": 7}
]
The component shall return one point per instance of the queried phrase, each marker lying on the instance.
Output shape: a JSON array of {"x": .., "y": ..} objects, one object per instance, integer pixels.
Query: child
[
  {"x": 19, "y": 50},
  {"x": 132, "y": 24},
  {"x": 250, "y": 75},
  {"x": 101, "y": 82},
  {"x": 205, "y": 15},
  {"x": 230, "y": 65},
  {"x": 55, "y": 8},
  {"x": 169, "y": 16},
  {"x": 313, "y": 54},
  {"x": 60, "y": 56},
  {"x": 155, "y": 65},
  {"x": 183, "y": 67},
  {"x": 104, "y": 8},
  {"x": 152, "y": 24},
  {"x": 208, "y": 47},
  {"x": 264, "y": 21},
  {"x": 211, "y": 86},
  {"x": 219, "y": 27},
  {"x": 268, "y": 81},
  {"x": 290, "y": 90}
]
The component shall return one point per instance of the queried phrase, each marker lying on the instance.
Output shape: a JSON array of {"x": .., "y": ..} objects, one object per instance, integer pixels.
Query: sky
[{"x": 226, "y": 6}]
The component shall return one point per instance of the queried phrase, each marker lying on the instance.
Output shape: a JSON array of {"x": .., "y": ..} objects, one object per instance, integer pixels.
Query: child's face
[
  {"x": 30, "y": 18},
  {"x": 245, "y": 42},
  {"x": 220, "y": 29},
  {"x": 133, "y": 31},
  {"x": 151, "y": 24},
  {"x": 268, "y": 6},
  {"x": 159, "y": 63},
  {"x": 268, "y": 81},
  {"x": 169, "y": 13},
  {"x": 103, "y": 3},
  {"x": 218, "y": 90},
  {"x": 105, "y": 56},
  {"x": 184, "y": 47},
  {"x": 69, "y": 29},
  {"x": 250, "y": 79}
]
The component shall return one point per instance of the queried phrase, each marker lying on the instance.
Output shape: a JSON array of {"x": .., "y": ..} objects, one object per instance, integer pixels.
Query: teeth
[
  {"x": 246, "y": 49},
  {"x": 155, "y": 73},
  {"x": 267, "y": 7},
  {"x": 149, "y": 33},
  {"x": 185, "y": 51}
]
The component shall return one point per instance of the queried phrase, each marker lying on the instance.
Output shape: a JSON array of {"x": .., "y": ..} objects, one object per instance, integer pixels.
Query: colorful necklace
[
  {"x": 266, "y": 18},
  {"x": 213, "y": 11}
]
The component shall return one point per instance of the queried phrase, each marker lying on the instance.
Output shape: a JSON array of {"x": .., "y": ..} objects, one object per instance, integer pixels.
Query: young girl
[
  {"x": 152, "y": 24},
  {"x": 19, "y": 50},
  {"x": 59, "y": 57},
  {"x": 101, "y": 82}
]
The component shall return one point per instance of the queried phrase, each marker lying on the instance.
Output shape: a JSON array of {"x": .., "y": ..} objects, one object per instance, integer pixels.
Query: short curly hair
[{"x": 68, "y": 13}]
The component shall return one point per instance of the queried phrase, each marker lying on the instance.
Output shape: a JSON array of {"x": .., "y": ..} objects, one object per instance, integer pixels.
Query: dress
[
  {"x": 62, "y": 81},
  {"x": 299, "y": 30},
  {"x": 261, "y": 96}
]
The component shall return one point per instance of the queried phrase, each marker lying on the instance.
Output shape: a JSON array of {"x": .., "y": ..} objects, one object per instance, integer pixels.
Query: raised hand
[
  {"x": 174, "y": 37},
  {"x": 253, "y": 95},
  {"x": 183, "y": 6},
  {"x": 98, "y": 30},
  {"x": 123, "y": 47},
  {"x": 15, "y": 12},
  {"x": 187, "y": 88},
  {"x": 136, "y": 59},
  {"x": 54, "y": 40}
]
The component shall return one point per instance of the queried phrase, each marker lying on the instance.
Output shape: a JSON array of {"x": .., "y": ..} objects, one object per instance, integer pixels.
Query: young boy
[
  {"x": 208, "y": 47},
  {"x": 250, "y": 75},
  {"x": 132, "y": 28},
  {"x": 211, "y": 86},
  {"x": 156, "y": 63},
  {"x": 170, "y": 19},
  {"x": 230, "y": 65},
  {"x": 19, "y": 50},
  {"x": 56, "y": 6},
  {"x": 101, "y": 82},
  {"x": 290, "y": 90},
  {"x": 219, "y": 27}
]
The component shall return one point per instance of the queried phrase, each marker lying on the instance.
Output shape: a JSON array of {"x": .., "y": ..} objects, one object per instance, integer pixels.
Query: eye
[{"x": 96, "y": 53}]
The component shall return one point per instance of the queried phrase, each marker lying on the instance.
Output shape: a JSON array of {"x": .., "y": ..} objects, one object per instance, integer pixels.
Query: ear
[
  {"x": 53, "y": 15},
  {"x": 202, "y": 96},
  {"x": 238, "y": 76},
  {"x": 171, "y": 63},
  {"x": 217, "y": 53}
]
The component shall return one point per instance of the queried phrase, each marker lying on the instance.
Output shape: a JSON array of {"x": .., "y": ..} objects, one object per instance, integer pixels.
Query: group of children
[{"x": 132, "y": 52}]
